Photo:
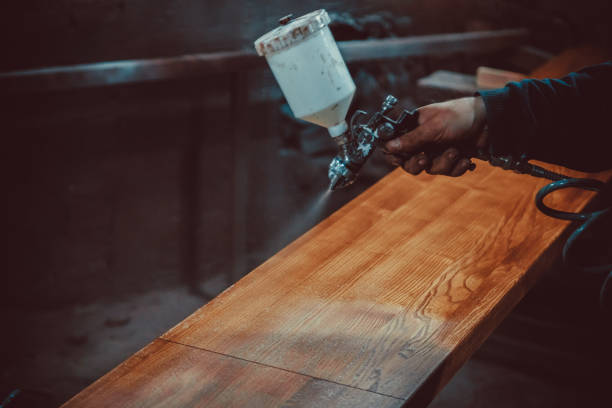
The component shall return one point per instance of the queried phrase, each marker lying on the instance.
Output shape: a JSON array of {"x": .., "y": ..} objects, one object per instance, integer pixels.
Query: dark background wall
[
  {"x": 70, "y": 31},
  {"x": 97, "y": 182},
  {"x": 41, "y": 33}
]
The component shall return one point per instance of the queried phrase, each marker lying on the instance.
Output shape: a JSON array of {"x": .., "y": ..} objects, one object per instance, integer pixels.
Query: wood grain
[
  {"x": 393, "y": 291},
  {"x": 166, "y": 374}
]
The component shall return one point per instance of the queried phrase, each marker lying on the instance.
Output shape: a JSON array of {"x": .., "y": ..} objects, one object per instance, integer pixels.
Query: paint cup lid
[{"x": 291, "y": 32}]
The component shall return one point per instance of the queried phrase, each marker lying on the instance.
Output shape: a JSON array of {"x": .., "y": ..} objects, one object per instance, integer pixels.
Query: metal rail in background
[{"x": 196, "y": 65}]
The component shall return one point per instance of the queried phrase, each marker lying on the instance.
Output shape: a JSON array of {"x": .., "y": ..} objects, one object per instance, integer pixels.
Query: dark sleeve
[{"x": 567, "y": 121}]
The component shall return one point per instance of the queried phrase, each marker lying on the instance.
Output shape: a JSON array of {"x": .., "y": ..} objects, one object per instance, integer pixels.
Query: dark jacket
[{"x": 567, "y": 121}]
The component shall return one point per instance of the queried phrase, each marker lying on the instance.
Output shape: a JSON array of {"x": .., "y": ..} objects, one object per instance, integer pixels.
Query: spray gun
[
  {"x": 307, "y": 65},
  {"x": 309, "y": 69},
  {"x": 364, "y": 134}
]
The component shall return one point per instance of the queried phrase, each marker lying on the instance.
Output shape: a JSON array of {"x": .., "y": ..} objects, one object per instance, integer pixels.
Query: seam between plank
[{"x": 280, "y": 368}]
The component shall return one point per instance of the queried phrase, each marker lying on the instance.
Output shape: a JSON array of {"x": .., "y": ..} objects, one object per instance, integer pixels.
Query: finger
[
  {"x": 411, "y": 141},
  {"x": 461, "y": 167},
  {"x": 444, "y": 163},
  {"x": 416, "y": 164}
]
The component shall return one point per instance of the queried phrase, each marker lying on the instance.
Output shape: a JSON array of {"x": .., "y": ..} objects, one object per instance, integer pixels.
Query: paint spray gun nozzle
[{"x": 362, "y": 137}]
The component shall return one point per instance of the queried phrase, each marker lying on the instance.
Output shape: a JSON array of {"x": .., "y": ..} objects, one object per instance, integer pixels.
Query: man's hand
[{"x": 447, "y": 133}]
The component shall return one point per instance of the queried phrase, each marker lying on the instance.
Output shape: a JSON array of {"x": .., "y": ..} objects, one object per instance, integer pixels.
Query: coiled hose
[{"x": 586, "y": 219}]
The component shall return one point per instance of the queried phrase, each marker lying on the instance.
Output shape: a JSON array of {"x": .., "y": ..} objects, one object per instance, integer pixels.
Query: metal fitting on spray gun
[{"x": 362, "y": 137}]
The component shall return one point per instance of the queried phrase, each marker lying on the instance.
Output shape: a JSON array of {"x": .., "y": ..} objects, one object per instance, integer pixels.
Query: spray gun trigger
[{"x": 385, "y": 131}]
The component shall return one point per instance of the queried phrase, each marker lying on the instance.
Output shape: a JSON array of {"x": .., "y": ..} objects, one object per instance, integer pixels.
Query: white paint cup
[{"x": 309, "y": 69}]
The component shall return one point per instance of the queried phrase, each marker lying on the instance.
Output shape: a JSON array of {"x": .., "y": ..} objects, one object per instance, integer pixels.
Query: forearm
[{"x": 561, "y": 120}]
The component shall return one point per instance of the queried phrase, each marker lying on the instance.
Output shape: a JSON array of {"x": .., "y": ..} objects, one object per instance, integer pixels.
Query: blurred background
[{"x": 132, "y": 200}]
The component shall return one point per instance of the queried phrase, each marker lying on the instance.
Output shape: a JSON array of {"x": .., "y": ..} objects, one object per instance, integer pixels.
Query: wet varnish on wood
[{"x": 378, "y": 305}]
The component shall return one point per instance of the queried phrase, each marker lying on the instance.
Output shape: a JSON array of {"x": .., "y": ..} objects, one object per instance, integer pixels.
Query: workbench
[{"x": 377, "y": 305}]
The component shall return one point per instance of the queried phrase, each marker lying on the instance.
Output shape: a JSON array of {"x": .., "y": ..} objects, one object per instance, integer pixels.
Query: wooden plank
[
  {"x": 393, "y": 292},
  {"x": 197, "y": 65},
  {"x": 165, "y": 374},
  {"x": 570, "y": 60},
  {"x": 379, "y": 304},
  {"x": 491, "y": 78},
  {"x": 443, "y": 85}
]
